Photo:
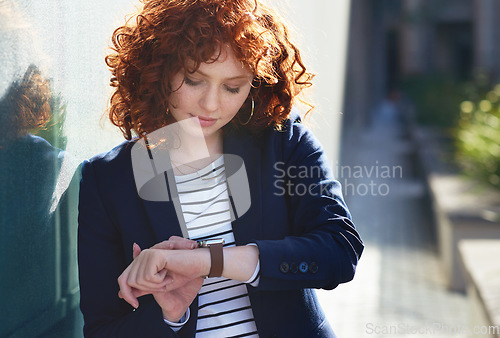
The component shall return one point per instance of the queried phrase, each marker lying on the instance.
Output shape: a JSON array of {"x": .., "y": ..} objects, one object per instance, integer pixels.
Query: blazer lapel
[{"x": 247, "y": 227}]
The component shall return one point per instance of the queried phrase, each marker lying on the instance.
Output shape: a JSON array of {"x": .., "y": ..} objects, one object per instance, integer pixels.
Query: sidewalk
[{"x": 398, "y": 290}]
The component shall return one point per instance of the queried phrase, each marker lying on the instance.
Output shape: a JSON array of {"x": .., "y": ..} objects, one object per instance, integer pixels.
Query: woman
[{"x": 226, "y": 72}]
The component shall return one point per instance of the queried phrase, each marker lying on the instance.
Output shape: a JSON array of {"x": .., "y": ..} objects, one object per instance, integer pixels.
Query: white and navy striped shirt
[{"x": 224, "y": 308}]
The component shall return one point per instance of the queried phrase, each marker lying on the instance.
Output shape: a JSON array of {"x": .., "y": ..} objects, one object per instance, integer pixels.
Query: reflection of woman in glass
[
  {"x": 230, "y": 65},
  {"x": 30, "y": 277},
  {"x": 29, "y": 167}
]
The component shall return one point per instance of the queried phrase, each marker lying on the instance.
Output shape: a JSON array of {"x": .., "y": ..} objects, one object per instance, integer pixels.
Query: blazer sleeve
[
  {"x": 101, "y": 260},
  {"x": 322, "y": 247}
]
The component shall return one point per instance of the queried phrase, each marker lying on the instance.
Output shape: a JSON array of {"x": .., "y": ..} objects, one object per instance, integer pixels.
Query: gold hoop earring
[{"x": 251, "y": 114}]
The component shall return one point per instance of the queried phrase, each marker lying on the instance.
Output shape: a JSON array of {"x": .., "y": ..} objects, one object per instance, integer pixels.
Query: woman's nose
[{"x": 210, "y": 100}]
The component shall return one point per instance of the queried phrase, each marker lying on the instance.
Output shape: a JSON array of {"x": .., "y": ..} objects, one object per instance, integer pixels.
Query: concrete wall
[
  {"x": 486, "y": 34},
  {"x": 321, "y": 31}
]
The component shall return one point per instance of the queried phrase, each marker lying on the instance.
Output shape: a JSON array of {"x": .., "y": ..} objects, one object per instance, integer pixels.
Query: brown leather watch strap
[{"x": 216, "y": 259}]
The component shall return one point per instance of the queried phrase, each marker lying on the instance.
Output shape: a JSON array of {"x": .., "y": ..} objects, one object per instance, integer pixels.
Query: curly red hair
[{"x": 166, "y": 36}]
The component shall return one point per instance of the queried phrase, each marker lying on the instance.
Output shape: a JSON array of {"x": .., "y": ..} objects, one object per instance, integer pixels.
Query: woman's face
[{"x": 213, "y": 94}]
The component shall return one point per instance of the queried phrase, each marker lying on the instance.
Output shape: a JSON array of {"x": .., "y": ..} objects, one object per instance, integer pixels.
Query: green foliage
[
  {"x": 478, "y": 135},
  {"x": 436, "y": 98}
]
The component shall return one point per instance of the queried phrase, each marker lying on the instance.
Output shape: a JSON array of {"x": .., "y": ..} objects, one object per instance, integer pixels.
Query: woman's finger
[
  {"x": 147, "y": 271},
  {"x": 177, "y": 243},
  {"x": 180, "y": 243},
  {"x": 137, "y": 293},
  {"x": 149, "y": 281},
  {"x": 174, "y": 243},
  {"x": 126, "y": 290},
  {"x": 162, "y": 245},
  {"x": 136, "y": 250}
]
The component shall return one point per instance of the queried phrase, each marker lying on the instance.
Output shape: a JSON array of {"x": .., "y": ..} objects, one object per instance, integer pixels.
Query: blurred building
[{"x": 393, "y": 39}]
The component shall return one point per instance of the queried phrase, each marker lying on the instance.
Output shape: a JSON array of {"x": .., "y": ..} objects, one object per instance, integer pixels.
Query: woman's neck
[
  {"x": 214, "y": 144},
  {"x": 196, "y": 153}
]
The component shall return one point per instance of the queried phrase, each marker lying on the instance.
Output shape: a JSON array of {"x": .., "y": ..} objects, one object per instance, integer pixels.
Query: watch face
[{"x": 209, "y": 242}]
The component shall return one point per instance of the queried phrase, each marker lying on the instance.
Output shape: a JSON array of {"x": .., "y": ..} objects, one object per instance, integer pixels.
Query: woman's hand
[
  {"x": 175, "y": 303},
  {"x": 157, "y": 270},
  {"x": 175, "y": 291}
]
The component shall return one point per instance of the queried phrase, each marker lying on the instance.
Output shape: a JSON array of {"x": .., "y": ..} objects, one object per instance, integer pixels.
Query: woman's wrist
[
  {"x": 203, "y": 255},
  {"x": 170, "y": 318},
  {"x": 216, "y": 249},
  {"x": 240, "y": 262},
  {"x": 177, "y": 321}
]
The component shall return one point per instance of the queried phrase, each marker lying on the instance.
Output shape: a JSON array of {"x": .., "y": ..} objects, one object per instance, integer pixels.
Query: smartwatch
[{"x": 216, "y": 255}]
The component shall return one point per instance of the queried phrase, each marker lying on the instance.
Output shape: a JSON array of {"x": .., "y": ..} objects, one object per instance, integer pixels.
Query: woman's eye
[
  {"x": 190, "y": 82},
  {"x": 233, "y": 90}
]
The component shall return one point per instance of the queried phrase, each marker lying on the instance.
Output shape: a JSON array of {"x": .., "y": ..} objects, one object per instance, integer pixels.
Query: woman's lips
[{"x": 206, "y": 121}]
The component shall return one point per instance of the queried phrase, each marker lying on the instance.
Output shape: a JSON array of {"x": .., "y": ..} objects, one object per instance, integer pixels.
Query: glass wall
[{"x": 53, "y": 92}]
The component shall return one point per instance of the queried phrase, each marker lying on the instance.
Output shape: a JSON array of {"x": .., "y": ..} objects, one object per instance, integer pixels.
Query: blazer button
[
  {"x": 313, "y": 267},
  {"x": 294, "y": 268},
  {"x": 303, "y": 267},
  {"x": 284, "y": 267}
]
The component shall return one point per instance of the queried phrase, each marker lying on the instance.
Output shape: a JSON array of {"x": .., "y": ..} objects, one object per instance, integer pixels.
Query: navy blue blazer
[{"x": 297, "y": 218}]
